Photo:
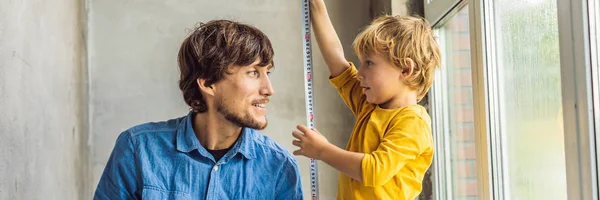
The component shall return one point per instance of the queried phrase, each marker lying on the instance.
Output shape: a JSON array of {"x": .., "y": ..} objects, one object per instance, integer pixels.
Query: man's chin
[
  {"x": 250, "y": 120},
  {"x": 260, "y": 124}
]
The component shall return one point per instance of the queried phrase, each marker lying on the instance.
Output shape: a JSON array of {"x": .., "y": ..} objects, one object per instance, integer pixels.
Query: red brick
[
  {"x": 464, "y": 133},
  {"x": 453, "y": 26},
  {"x": 463, "y": 115},
  {"x": 461, "y": 60},
  {"x": 462, "y": 97},
  {"x": 465, "y": 151},
  {"x": 459, "y": 24},
  {"x": 467, "y": 188},
  {"x": 471, "y": 187},
  {"x": 462, "y": 78},
  {"x": 464, "y": 169},
  {"x": 463, "y": 24},
  {"x": 461, "y": 42}
]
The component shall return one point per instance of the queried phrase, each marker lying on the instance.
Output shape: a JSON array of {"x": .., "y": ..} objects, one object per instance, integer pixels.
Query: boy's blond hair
[{"x": 402, "y": 39}]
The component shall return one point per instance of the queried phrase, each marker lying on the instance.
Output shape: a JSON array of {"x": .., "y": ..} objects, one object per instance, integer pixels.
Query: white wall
[{"x": 42, "y": 122}]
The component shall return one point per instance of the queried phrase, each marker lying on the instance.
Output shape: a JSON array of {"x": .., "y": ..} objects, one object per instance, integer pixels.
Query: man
[{"x": 215, "y": 152}]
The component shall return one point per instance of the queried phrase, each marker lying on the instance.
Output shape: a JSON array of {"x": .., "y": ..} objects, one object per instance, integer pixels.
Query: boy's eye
[{"x": 369, "y": 63}]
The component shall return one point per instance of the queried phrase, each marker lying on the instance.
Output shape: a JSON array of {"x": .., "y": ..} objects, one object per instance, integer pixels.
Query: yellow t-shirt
[{"x": 397, "y": 144}]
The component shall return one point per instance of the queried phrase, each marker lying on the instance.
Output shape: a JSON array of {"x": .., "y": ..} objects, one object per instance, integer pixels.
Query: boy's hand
[{"x": 312, "y": 144}]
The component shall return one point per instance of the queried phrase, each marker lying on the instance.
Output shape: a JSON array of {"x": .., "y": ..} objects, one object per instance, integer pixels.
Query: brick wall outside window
[{"x": 462, "y": 135}]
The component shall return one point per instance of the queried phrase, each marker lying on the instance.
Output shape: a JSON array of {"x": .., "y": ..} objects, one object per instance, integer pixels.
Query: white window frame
[
  {"x": 594, "y": 17},
  {"x": 442, "y": 174},
  {"x": 578, "y": 116},
  {"x": 437, "y": 10},
  {"x": 480, "y": 57},
  {"x": 580, "y": 73}
]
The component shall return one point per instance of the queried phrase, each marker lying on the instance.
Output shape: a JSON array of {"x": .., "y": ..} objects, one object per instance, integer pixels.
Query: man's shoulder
[
  {"x": 265, "y": 145},
  {"x": 156, "y": 126},
  {"x": 166, "y": 128}
]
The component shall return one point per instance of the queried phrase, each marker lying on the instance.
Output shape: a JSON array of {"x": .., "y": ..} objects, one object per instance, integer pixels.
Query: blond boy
[{"x": 391, "y": 145}]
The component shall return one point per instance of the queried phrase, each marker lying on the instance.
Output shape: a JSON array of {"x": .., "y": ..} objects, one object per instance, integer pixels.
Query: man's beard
[{"x": 241, "y": 121}]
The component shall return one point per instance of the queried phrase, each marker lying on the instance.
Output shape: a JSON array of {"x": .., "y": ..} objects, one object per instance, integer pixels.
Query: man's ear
[
  {"x": 207, "y": 89},
  {"x": 408, "y": 68}
]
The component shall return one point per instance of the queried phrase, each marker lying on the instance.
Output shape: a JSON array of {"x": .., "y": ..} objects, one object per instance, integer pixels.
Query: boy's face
[
  {"x": 242, "y": 95},
  {"x": 381, "y": 81}
]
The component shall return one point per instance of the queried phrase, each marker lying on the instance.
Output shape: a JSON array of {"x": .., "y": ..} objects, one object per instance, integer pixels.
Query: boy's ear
[
  {"x": 208, "y": 89},
  {"x": 408, "y": 67}
]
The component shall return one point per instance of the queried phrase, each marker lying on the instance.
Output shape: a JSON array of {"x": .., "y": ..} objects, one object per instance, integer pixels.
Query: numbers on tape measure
[{"x": 309, "y": 94}]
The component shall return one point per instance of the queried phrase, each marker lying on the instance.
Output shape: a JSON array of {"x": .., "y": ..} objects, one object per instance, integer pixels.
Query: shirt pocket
[
  {"x": 160, "y": 194},
  {"x": 251, "y": 192}
]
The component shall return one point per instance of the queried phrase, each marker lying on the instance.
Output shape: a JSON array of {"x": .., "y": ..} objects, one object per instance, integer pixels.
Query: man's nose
[{"x": 266, "y": 88}]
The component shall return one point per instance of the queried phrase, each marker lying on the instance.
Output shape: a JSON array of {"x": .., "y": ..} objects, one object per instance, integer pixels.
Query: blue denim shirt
[{"x": 164, "y": 160}]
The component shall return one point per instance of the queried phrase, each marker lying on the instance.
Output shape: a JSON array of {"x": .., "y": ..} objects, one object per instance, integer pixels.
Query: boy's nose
[{"x": 359, "y": 75}]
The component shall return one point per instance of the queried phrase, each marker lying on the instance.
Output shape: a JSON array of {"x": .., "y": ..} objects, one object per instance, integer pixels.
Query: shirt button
[{"x": 216, "y": 168}]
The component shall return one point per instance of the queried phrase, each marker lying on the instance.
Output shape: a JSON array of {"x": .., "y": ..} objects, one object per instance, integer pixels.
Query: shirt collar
[{"x": 187, "y": 140}]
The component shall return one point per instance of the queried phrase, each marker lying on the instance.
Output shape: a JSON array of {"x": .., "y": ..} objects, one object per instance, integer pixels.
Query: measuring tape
[{"x": 309, "y": 94}]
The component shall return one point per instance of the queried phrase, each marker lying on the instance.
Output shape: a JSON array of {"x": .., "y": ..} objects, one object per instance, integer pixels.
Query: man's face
[{"x": 241, "y": 96}]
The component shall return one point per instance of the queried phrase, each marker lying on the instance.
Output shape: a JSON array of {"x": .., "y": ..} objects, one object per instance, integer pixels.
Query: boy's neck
[{"x": 406, "y": 99}]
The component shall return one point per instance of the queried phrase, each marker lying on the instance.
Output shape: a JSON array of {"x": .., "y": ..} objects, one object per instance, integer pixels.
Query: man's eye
[{"x": 253, "y": 72}]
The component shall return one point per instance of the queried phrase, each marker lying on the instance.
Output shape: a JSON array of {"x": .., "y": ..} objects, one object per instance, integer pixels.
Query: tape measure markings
[{"x": 309, "y": 94}]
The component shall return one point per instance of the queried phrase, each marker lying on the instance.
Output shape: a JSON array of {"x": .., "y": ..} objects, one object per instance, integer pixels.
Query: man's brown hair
[{"x": 211, "y": 49}]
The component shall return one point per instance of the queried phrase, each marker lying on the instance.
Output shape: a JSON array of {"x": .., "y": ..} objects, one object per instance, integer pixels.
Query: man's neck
[{"x": 214, "y": 131}]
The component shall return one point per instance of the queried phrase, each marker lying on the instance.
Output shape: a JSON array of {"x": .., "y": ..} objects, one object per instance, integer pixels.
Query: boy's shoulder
[
  {"x": 411, "y": 114},
  {"x": 415, "y": 110},
  {"x": 414, "y": 120}
]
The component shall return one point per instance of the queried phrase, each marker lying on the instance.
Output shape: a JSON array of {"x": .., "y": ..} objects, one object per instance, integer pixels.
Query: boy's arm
[
  {"x": 348, "y": 87},
  {"x": 403, "y": 143},
  {"x": 327, "y": 39},
  {"x": 347, "y": 162},
  {"x": 342, "y": 73},
  {"x": 314, "y": 145}
]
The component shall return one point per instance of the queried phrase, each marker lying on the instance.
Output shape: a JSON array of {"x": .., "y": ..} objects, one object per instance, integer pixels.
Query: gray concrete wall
[
  {"x": 132, "y": 52},
  {"x": 42, "y": 122}
]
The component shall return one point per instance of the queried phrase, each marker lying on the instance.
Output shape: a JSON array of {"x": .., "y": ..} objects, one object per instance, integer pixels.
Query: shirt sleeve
[
  {"x": 118, "y": 181},
  {"x": 290, "y": 182},
  {"x": 348, "y": 87},
  {"x": 405, "y": 141}
]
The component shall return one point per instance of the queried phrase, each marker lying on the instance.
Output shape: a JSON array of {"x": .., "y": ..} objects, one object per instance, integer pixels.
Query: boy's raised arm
[{"x": 327, "y": 39}]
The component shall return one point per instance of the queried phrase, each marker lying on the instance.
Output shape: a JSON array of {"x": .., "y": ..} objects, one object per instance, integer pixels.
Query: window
[
  {"x": 453, "y": 112},
  {"x": 528, "y": 105},
  {"x": 532, "y": 99},
  {"x": 594, "y": 20}
]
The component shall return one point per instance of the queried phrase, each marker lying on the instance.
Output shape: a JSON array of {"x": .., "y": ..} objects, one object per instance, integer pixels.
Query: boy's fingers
[
  {"x": 302, "y": 128},
  {"x": 316, "y": 131},
  {"x": 297, "y": 134},
  {"x": 298, "y": 152},
  {"x": 296, "y": 143}
]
